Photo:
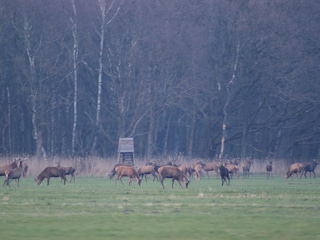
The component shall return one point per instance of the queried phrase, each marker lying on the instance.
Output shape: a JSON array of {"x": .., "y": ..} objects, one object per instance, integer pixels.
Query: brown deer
[
  {"x": 174, "y": 173},
  {"x": 233, "y": 169},
  {"x": 210, "y": 166},
  {"x": 295, "y": 168},
  {"x": 69, "y": 171},
  {"x": 246, "y": 168},
  {"x": 269, "y": 169},
  {"x": 15, "y": 174},
  {"x": 113, "y": 171},
  {"x": 50, "y": 172},
  {"x": 126, "y": 171},
  {"x": 143, "y": 171},
  {"x": 196, "y": 169},
  {"x": 5, "y": 167}
]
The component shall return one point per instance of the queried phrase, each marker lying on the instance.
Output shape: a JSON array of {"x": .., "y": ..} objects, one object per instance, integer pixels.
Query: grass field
[{"x": 93, "y": 208}]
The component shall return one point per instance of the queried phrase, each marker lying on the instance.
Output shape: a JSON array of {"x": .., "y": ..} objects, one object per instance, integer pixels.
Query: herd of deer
[
  {"x": 181, "y": 173},
  {"x": 18, "y": 168}
]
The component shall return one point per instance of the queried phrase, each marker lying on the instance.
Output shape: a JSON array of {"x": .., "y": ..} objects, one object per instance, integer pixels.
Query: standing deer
[
  {"x": 5, "y": 167},
  {"x": 269, "y": 169},
  {"x": 15, "y": 174},
  {"x": 224, "y": 173},
  {"x": 310, "y": 167},
  {"x": 246, "y": 168},
  {"x": 69, "y": 171}
]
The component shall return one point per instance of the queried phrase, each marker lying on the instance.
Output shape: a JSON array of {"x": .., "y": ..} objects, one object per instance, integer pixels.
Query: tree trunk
[
  {"x": 191, "y": 135},
  {"x": 9, "y": 121},
  {"x": 34, "y": 91},
  {"x": 75, "y": 74},
  {"x": 104, "y": 12},
  {"x": 225, "y": 107},
  {"x": 150, "y": 145}
]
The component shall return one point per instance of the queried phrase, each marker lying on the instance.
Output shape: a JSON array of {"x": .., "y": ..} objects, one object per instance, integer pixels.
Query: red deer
[
  {"x": 69, "y": 171},
  {"x": 184, "y": 169},
  {"x": 310, "y": 167},
  {"x": 25, "y": 168},
  {"x": 269, "y": 169},
  {"x": 126, "y": 171},
  {"x": 174, "y": 173},
  {"x": 145, "y": 170},
  {"x": 196, "y": 169},
  {"x": 246, "y": 168},
  {"x": 210, "y": 167},
  {"x": 224, "y": 173},
  {"x": 15, "y": 174},
  {"x": 5, "y": 167},
  {"x": 295, "y": 168},
  {"x": 50, "y": 172},
  {"x": 113, "y": 171},
  {"x": 233, "y": 169}
]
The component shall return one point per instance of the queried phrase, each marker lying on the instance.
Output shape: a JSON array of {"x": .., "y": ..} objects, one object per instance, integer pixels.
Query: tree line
[{"x": 209, "y": 79}]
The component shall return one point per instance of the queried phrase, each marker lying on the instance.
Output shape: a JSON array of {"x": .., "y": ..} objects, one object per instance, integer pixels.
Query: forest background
[{"x": 201, "y": 79}]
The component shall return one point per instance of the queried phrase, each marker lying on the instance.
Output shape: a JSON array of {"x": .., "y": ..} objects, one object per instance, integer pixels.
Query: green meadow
[{"x": 93, "y": 208}]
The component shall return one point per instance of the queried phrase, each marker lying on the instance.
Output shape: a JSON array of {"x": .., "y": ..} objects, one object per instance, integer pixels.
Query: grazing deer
[
  {"x": 50, "y": 172},
  {"x": 126, "y": 171},
  {"x": 295, "y": 168},
  {"x": 174, "y": 173}
]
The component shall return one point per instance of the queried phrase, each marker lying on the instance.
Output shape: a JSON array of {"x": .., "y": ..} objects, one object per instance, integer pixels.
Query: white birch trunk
[
  {"x": 102, "y": 5},
  {"x": 225, "y": 112},
  {"x": 104, "y": 12},
  {"x": 75, "y": 73},
  {"x": 36, "y": 132},
  {"x": 9, "y": 121}
]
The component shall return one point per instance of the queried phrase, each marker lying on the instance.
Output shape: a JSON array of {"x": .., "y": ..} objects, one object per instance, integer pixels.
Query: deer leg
[
  {"x": 121, "y": 180},
  {"x": 130, "y": 180},
  {"x": 162, "y": 179},
  {"x": 115, "y": 180}
]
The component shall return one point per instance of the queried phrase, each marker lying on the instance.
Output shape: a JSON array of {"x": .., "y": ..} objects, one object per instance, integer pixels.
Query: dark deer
[
  {"x": 269, "y": 169},
  {"x": 224, "y": 173},
  {"x": 50, "y": 172},
  {"x": 310, "y": 167},
  {"x": 69, "y": 171}
]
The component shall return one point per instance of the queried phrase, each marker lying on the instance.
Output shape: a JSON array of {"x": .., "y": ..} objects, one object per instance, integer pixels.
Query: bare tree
[
  {"x": 74, "y": 30},
  {"x": 104, "y": 11}
]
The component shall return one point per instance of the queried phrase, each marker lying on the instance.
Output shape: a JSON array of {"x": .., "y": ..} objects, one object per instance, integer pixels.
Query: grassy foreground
[{"x": 93, "y": 208}]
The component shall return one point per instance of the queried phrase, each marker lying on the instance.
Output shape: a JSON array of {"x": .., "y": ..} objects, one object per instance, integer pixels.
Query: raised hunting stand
[{"x": 126, "y": 151}]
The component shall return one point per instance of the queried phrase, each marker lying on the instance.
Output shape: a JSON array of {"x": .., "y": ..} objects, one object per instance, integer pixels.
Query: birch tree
[
  {"x": 225, "y": 107},
  {"x": 74, "y": 30},
  {"x": 104, "y": 11},
  {"x": 31, "y": 52}
]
